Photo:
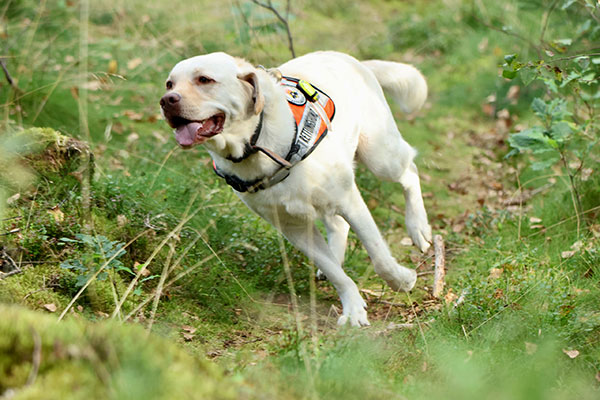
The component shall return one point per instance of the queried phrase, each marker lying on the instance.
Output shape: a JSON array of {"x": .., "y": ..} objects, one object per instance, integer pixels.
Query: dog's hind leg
[
  {"x": 306, "y": 237},
  {"x": 357, "y": 214},
  {"x": 337, "y": 238},
  {"x": 387, "y": 155}
]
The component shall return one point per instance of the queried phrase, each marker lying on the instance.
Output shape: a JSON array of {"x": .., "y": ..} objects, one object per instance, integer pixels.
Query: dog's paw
[
  {"x": 402, "y": 279},
  {"x": 354, "y": 313},
  {"x": 419, "y": 230}
]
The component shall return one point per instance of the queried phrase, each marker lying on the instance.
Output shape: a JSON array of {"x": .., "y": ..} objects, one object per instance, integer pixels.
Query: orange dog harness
[{"x": 313, "y": 112}]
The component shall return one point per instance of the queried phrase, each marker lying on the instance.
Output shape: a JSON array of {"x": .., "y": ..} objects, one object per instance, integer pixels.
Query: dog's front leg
[
  {"x": 356, "y": 212},
  {"x": 416, "y": 217},
  {"x": 306, "y": 237},
  {"x": 337, "y": 239}
]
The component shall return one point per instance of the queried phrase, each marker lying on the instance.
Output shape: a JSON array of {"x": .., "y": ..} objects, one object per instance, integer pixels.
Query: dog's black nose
[{"x": 170, "y": 99}]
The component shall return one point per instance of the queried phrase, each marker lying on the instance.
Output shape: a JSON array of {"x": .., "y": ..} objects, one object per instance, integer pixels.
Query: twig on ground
[
  {"x": 440, "y": 266},
  {"x": 4, "y": 275},
  {"x": 8, "y": 77},
  {"x": 410, "y": 325},
  {"x": 15, "y": 268},
  {"x": 16, "y": 230}
]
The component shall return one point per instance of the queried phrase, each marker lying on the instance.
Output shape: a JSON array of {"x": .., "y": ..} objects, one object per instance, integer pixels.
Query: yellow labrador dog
[{"x": 273, "y": 137}]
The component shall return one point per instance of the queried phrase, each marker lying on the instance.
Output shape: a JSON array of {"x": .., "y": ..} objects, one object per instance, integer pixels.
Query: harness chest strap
[{"x": 313, "y": 111}]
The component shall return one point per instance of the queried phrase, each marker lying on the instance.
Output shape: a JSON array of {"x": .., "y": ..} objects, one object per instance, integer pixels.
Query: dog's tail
[{"x": 404, "y": 82}]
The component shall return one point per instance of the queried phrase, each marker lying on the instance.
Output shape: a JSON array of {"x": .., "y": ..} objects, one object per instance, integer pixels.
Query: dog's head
[{"x": 207, "y": 94}]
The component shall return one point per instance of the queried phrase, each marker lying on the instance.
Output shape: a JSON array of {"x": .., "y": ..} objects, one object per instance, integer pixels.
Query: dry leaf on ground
[{"x": 571, "y": 353}]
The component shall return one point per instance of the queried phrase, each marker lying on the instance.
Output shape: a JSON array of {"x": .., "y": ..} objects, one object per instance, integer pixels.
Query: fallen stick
[{"x": 440, "y": 266}]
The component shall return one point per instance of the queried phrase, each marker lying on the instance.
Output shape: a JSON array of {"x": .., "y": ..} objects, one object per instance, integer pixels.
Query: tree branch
[{"x": 269, "y": 6}]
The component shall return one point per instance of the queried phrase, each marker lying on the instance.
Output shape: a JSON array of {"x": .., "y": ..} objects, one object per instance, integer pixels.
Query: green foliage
[{"x": 100, "y": 253}]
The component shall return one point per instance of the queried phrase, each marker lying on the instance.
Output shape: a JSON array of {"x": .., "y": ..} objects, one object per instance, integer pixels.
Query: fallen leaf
[
  {"x": 137, "y": 266},
  {"x": 188, "y": 328},
  {"x": 535, "y": 220},
  {"x": 567, "y": 254},
  {"x": 132, "y": 64},
  {"x": 122, "y": 220},
  {"x": 571, "y": 353},
  {"x": 503, "y": 114},
  {"x": 188, "y": 337},
  {"x": 495, "y": 273},
  {"x": 132, "y": 137},
  {"x": 586, "y": 173},
  {"x": 13, "y": 198},
  {"x": 488, "y": 109},
  {"x": 577, "y": 245},
  {"x": 50, "y": 307},
  {"x": 58, "y": 215},
  {"x": 598, "y": 376},
  {"x": 513, "y": 92},
  {"x": 495, "y": 185},
  {"x": 450, "y": 297},
  {"x": 530, "y": 348},
  {"x": 133, "y": 115},
  {"x": 458, "y": 228},
  {"x": 406, "y": 241}
]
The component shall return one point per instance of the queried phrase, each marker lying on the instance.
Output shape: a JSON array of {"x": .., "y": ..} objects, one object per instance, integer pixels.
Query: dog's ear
[{"x": 257, "y": 97}]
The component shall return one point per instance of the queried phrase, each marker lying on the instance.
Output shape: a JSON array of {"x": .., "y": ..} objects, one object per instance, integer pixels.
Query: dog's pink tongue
[{"x": 186, "y": 134}]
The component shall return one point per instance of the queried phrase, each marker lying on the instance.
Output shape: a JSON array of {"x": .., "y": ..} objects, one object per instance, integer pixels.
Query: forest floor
[{"x": 519, "y": 315}]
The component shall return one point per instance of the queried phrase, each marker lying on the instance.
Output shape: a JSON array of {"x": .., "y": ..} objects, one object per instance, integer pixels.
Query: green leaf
[
  {"x": 533, "y": 139},
  {"x": 509, "y": 58},
  {"x": 561, "y": 131},
  {"x": 539, "y": 107},
  {"x": 545, "y": 164},
  {"x": 528, "y": 75},
  {"x": 509, "y": 74},
  {"x": 69, "y": 240}
]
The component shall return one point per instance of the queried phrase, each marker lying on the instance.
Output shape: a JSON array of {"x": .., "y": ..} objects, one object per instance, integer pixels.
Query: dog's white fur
[{"x": 321, "y": 187}]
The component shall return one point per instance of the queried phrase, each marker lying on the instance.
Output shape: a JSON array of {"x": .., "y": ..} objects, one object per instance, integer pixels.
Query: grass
[{"x": 523, "y": 304}]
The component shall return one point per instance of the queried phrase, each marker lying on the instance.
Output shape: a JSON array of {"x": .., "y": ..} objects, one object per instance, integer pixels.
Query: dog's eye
[
  {"x": 202, "y": 80},
  {"x": 169, "y": 85}
]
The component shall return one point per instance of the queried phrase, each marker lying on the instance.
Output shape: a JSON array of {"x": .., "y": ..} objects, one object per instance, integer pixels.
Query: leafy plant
[
  {"x": 101, "y": 251},
  {"x": 567, "y": 132}
]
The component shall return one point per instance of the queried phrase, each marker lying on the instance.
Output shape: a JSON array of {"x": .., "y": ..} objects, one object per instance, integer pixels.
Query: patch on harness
[{"x": 295, "y": 96}]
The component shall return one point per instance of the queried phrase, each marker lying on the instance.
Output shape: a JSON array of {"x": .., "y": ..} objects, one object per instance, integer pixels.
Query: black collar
[{"x": 250, "y": 149}]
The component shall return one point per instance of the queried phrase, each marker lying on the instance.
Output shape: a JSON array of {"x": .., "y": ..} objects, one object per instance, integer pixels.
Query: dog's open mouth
[{"x": 189, "y": 133}]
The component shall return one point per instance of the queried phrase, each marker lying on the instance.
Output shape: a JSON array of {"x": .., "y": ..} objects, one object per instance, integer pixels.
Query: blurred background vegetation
[{"x": 105, "y": 223}]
